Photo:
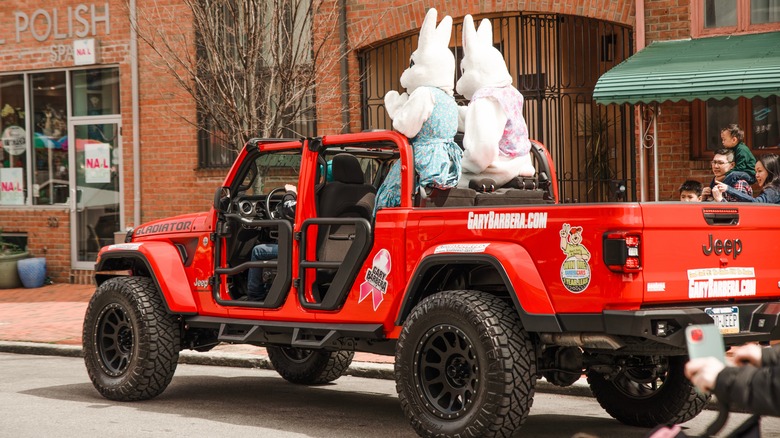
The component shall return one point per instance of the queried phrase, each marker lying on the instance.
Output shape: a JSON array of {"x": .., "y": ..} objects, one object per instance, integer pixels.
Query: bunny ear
[
  {"x": 443, "y": 31},
  {"x": 485, "y": 32},
  {"x": 469, "y": 33},
  {"x": 428, "y": 29}
]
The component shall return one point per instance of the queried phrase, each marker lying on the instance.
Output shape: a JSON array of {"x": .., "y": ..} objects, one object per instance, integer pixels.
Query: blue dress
[{"x": 436, "y": 155}]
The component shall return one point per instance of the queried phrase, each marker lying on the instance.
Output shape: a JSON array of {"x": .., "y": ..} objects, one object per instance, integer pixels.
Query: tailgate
[{"x": 710, "y": 253}]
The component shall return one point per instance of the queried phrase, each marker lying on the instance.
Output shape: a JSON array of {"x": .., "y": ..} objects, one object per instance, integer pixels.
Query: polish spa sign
[
  {"x": 97, "y": 163},
  {"x": 58, "y": 23}
]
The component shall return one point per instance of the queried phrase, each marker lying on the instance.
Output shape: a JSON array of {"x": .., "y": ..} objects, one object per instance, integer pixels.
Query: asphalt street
[{"x": 52, "y": 396}]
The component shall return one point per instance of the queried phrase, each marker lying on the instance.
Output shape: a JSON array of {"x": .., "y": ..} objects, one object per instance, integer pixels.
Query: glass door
[{"x": 95, "y": 154}]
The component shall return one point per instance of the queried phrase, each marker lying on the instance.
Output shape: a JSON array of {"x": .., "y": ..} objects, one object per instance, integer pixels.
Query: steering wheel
[{"x": 288, "y": 196}]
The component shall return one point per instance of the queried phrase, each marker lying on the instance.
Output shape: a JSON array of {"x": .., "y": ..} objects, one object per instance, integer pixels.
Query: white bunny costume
[
  {"x": 495, "y": 135},
  {"x": 428, "y": 115}
]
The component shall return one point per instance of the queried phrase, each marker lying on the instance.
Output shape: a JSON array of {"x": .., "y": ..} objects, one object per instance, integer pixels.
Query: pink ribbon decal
[{"x": 376, "y": 279}]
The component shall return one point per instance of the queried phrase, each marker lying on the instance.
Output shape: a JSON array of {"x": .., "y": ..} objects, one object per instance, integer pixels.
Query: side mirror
[{"x": 222, "y": 199}]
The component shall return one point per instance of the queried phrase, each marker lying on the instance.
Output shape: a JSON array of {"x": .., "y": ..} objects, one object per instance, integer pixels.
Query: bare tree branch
[{"x": 250, "y": 65}]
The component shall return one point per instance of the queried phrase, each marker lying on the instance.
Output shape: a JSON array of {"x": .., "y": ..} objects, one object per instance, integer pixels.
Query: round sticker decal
[
  {"x": 14, "y": 140},
  {"x": 575, "y": 274}
]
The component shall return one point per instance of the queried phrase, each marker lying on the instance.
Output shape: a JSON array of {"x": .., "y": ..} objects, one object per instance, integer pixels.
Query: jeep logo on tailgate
[{"x": 726, "y": 247}]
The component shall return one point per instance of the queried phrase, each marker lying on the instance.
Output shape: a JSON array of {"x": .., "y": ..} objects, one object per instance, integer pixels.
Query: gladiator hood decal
[{"x": 179, "y": 224}]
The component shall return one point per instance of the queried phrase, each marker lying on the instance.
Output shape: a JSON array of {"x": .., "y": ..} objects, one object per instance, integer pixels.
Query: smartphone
[{"x": 705, "y": 340}]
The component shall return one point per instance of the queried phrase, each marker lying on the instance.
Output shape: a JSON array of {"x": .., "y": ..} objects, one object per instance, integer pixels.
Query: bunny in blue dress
[{"x": 428, "y": 115}]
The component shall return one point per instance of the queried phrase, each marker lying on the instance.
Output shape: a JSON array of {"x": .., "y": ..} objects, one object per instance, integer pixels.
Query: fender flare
[
  {"x": 165, "y": 265},
  {"x": 535, "y": 308}
]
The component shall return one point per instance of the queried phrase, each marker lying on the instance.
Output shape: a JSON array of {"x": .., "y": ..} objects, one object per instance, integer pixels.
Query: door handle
[{"x": 721, "y": 216}]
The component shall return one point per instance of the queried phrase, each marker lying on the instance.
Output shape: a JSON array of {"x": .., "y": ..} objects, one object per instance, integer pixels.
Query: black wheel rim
[
  {"x": 297, "y": 355},
  {"x": 639, "y": 383},
  {"x": 447, "y": 372},
  {"x": 114, "y": 340}
]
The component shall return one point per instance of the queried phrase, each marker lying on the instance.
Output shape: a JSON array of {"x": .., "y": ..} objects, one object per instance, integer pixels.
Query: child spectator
[
  {"x": 690, "y": 191},
  {"x": 733, "y": 138}
]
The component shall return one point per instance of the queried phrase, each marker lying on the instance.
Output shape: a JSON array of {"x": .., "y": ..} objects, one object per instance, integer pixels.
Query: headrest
[{"x": 346, "y": 169}]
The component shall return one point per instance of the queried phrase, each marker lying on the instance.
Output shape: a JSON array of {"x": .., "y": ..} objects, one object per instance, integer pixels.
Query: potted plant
[
  {"x": 32, "y": 271},
  {"x": 10, "y": 254}
]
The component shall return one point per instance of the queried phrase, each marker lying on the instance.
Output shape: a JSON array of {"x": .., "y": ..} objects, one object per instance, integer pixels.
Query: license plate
[{"x": 726, "y": 318}]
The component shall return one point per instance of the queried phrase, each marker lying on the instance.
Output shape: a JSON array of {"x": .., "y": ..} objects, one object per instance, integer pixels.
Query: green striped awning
[{"x": 704, "y": 68}]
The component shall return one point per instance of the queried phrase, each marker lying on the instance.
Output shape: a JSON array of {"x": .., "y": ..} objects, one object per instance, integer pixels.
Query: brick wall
[
  {"x": 671, "y": 20},
  {"x": 674, "y": 152},
  {"x": 48, "y": 228},
  {"x": 172, "y": 184},
  {"x": 48, "y": 235},
  {"x": 667, "y": 20},
  {"x": 371, "y": 21}
]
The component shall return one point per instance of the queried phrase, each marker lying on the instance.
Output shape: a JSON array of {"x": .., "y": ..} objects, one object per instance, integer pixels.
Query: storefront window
[
  {"x": 720, "y": 13},
  {"x": 766, "y": 122},
  {"x": 13, "y": 146},
  {"x": 764, "y": 11},
  {"x": 50, "y": 131},
  {"x": 726, "y": 17},
  {"x": 758, "y": 117},
  {"x": 720, "y": 114},
  {"x": 95, "y": 92}
]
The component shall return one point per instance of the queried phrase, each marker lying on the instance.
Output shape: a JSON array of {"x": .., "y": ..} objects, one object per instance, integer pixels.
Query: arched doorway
[{"x": 555, "y": 61}]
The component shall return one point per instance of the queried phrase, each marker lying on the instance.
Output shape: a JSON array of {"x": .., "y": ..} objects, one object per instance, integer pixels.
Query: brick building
[
  {"x": 96, "y": 139},
  {"x": 716, "y": 63}
]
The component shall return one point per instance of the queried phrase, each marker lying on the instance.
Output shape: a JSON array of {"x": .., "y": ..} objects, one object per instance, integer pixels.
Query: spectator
[
  {"x": 722, "y": 169},
  {"x": 768, "y": 177},
  {"x": 690, "y": 191},
  {"x": 732, "y": 137},
  {"x": 752, "y": 384}
]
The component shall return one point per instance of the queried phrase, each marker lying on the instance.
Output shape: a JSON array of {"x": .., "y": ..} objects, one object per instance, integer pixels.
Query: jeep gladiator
[{"x": 477, "y": 294}]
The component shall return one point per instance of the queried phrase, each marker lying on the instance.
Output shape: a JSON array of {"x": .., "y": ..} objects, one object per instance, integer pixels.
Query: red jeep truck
[{"x": 476, "y": 294}]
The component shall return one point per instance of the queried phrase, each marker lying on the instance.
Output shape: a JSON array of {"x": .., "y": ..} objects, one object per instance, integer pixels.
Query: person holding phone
[{"x": 752, "y": 384}]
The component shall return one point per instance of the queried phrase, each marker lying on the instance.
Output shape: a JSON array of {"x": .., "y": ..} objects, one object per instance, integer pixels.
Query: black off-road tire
[
  {"x": 309, "y": 367},
  {"x": 131, "y": 344},
  {"x": 632, "y": 400},
  {"x": 465, "y": 366}
]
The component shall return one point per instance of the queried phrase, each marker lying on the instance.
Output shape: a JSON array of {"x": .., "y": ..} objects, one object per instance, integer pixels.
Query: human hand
[
  {"x": 717, "y": 193},
  {"x": 722, "y": 187},
  {"x": 706, "y": 192},
  {"x": 747, "y": 354},
  {"x": 291, "y": 188},
  {"x": 703, "y": 372}
]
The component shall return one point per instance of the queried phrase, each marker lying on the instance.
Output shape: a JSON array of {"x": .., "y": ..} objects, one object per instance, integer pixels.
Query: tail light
[{"x": 621, "y": 252}]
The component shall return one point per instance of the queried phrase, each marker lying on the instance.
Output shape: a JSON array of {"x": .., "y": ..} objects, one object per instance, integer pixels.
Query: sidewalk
[{"x": 48, "y": 321}]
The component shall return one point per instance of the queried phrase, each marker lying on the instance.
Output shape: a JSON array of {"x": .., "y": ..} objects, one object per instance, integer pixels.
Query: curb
[{"x": 368, "y": 370}]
